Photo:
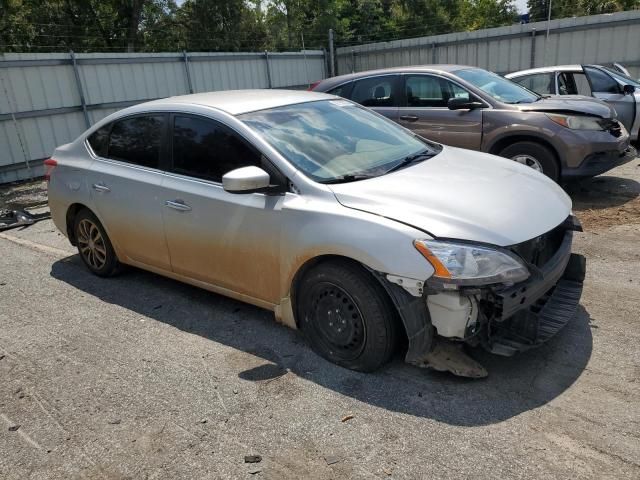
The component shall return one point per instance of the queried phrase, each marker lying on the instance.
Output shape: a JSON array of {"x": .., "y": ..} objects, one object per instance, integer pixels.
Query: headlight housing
[
  {"x": 468, "y": 264},
  {"x": 577, "y": 122}
]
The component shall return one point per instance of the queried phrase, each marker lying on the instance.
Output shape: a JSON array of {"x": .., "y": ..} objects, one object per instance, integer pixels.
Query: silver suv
[
  {"x": 563, "y": 137},
  {"x": 344, "y": 224}
]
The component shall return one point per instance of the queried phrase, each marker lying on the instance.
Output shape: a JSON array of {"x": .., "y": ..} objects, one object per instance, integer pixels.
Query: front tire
[
  {"x": 347, "y": 316},
  {"x": 94, "y": 246},
  {"x": 533, "y": 155}
]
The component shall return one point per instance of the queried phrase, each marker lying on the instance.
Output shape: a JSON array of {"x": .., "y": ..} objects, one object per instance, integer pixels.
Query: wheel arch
[
  {"x": 415, "y": 329},
  {"x": 503, "y": 142},
  {"x": 70, "y": 216}
]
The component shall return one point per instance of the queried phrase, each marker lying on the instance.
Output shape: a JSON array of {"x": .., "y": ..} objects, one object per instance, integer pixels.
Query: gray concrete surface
[{"x": 142, "y": 377}]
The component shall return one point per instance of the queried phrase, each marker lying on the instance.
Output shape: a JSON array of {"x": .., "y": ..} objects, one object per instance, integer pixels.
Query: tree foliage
[{"x": 235, "y": 25}]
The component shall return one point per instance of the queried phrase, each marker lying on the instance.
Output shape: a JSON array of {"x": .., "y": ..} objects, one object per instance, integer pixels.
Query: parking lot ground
[{"x": 139, "y": 376}]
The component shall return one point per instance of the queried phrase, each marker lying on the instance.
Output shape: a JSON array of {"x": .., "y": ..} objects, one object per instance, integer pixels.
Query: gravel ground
[{"x": 143, "y": 377}]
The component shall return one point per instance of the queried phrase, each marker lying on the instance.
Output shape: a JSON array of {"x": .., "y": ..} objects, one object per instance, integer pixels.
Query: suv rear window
[{"x": 375, "y": 91}]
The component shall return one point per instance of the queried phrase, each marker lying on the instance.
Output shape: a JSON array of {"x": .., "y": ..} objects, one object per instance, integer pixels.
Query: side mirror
[
  {"x": 628, "y": 89},
  {"x": 245, "y": 180},
  {"x": 461, "y": 103}
]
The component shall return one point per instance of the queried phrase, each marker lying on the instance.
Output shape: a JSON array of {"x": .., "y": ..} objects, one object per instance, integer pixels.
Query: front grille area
[{"x": 539, "y": 250}]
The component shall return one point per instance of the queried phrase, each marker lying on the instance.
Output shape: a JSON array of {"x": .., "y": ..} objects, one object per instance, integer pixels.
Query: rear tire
[
  {"x": 347, "y": 316},
  {"x": 94, "y": 246},
  {"x": 534, "y": 155}
]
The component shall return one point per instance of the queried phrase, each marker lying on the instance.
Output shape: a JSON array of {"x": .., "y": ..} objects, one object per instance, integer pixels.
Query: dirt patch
[
  {"x": 18, "y": 196},
  {"x": 606, "y": 201}
]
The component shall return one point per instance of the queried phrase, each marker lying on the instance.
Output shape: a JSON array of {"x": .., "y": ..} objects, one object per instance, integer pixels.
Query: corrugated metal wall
[
  {"x": 595, "y": 39},
  {"x": 40, "y": 94}
]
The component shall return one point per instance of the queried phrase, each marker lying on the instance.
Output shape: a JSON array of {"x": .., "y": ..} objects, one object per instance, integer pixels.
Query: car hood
[
  {"x": 462, "y": 194},
  {"x": 570, "y": 103}
]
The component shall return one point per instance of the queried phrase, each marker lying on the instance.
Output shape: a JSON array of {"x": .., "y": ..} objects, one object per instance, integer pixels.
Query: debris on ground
[
  {"x": 331, "y": 460},
  {"x": 14, "y": 428},
  {"x": 387, "y": 471},
  {"x": 346, "y": 418},
  {"x": 253, "y": 471},
  {"x": 252, "y": 459},
  {"x": 448, "y": 356}
]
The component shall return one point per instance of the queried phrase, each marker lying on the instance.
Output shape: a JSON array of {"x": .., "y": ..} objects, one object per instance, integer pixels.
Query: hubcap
[
  {"x": 529, "y": 161},
  {"x": 337, "y": 320},
  {"x": 91, "y": 244}
]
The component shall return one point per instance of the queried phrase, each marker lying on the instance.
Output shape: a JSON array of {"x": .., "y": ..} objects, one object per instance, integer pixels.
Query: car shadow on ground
[
  {"x": 515, "y": 385},
  {"x": 602, "y": 192}
]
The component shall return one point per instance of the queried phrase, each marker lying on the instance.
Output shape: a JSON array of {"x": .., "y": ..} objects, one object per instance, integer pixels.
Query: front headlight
[
  {"x": 465, "y": 264},
  {"x": 577, "y": 122}
]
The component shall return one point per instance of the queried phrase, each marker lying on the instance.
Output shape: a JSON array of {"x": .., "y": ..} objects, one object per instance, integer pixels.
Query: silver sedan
[{"x": 346, "y": 225}]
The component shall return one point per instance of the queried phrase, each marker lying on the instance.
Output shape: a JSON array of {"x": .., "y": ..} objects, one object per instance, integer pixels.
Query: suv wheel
[
  {"x": 533, "y": 155},
  {"x": 94, "y": 245},
  {"x": 347, "y": 316}
]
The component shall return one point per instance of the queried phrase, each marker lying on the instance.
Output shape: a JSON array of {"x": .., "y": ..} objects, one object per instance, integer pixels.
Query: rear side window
[
  {"x": 99, "y": 140},
  {"x": 137, "y": 140},
  {"x": 205, "y": 149},
  {"x": 342, "y": 90},
  {"x": 601, "y": 82},
  {"x": 541, "y": 83},
  {"x": 374, "y": 92}
]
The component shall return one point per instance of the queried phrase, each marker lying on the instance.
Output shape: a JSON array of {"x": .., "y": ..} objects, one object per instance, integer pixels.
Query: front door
[
  {"x": 229, "y": 240},
  {"x": 606, "y": 88},
  {"x": 125, "y": 182},
  {"x": 425, "y": 111}
]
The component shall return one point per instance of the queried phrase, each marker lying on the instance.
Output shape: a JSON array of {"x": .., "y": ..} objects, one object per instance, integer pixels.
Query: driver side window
[
  {"x": 430, "y": 91},
  {"x": 203, "y": 148},
  {"x": 601, "y": 82}
]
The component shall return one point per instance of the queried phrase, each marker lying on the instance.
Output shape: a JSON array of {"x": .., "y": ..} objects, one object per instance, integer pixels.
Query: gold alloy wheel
[{"x": 91, "y": 244}]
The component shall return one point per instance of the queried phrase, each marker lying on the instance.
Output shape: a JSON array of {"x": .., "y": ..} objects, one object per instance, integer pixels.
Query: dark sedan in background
[{"x": 563, "y": 137}]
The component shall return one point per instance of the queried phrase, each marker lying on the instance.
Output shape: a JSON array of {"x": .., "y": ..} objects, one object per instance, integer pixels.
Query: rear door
[
  {"x": 424, "y": 110},
  {"x": 380, "y": 93},
  {"x": 125, "y": 181},
  {"x": 606, "y": 88}
]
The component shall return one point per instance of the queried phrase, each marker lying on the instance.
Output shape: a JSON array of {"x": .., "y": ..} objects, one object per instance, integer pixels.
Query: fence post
[
  {"x": 332, "y": 64},
  {"x": 266, "y": 59},
  {"x": 185, "y": 57},
  {"x": 533, "y": 49},
  {"x": 353, "y": 61},
  {"x": 434, "y": 57},
  {"x": 83, "y": 102}
]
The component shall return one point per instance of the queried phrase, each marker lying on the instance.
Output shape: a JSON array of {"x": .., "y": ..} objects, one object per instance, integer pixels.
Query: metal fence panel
[
  {"x": 594, "y": 39},
  {"x": 44, "y": 97}
]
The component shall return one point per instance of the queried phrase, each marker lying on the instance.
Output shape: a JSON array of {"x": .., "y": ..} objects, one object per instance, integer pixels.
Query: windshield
[
  {"x": 622, "y": 77},
  {"x": 498, "y": 87},
  {"x": 336, "y": 139}
]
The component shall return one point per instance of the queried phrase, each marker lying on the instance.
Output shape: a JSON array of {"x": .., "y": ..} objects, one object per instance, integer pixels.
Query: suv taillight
[
  {"x": 49, "y": 165},
  {"x": 313, "y": 85}
]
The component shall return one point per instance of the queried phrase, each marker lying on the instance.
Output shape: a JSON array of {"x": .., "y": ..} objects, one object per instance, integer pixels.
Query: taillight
[
  {"x": 49, "y": 165},
  {"x": 313, "y": 85}
]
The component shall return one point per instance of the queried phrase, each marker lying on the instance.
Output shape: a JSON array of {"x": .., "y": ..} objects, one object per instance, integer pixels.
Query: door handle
[
  {"x": 177, "y": 205},
  {"x": 98, "y": 187},
  {"x": 409, "y": 118}
]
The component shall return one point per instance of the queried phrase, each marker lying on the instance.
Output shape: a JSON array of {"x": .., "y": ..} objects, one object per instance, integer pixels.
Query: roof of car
[
  {"x": 555, "y": 68},
  {"x": 406, "y": 69},
  {"x": 236, "y": 102}
]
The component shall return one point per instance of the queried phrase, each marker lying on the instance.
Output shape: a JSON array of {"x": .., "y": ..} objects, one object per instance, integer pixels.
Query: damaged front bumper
[{"x": 515, "y": 318}]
